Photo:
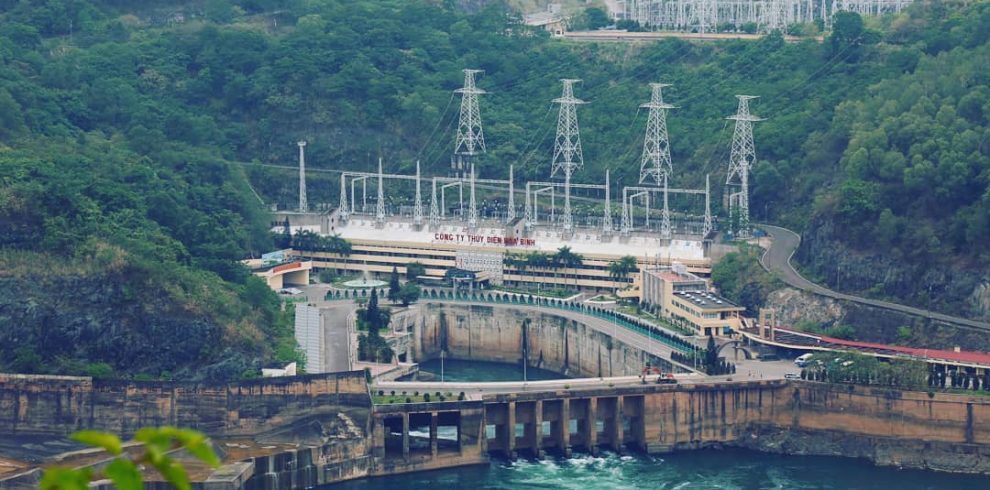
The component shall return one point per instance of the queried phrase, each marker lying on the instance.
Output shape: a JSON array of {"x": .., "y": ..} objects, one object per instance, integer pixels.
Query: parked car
[{"x": 802, "y": 360}]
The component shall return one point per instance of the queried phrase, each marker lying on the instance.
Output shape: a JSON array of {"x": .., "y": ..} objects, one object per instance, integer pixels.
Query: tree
[
  {"x": 711, "y": 356},
  {"x": 125, "y": 471},
  {"x": 408, "y": 294},
  {"x": 596, "y": 18},
  {"x": 621, "y": 268},
  {"x": 372, "y": 315},
  {"x": 414, "y": 270},
  {"x": 567, "y": 259},
  {"x": 393, "y": 285}
]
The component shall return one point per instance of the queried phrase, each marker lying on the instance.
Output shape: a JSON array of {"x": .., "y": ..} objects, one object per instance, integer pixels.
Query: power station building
[{"x": 685, "y": 298}]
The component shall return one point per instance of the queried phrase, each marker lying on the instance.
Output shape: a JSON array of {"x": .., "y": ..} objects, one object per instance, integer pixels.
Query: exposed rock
[
  {"x": 979, "y": 301},
  {"x": 793, "y": 305},
  {"x": 134, "y": 327},
  {"x": 946, "y": 288}
]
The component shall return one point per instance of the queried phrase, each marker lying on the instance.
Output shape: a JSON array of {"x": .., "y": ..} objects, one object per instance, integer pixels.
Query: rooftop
[
  {"x": 705, "y": 300},
  {"x": 803, "y": 338}
]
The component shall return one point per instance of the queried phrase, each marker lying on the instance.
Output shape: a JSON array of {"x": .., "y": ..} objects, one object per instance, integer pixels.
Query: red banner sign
[{"x": 483, "y": 240}]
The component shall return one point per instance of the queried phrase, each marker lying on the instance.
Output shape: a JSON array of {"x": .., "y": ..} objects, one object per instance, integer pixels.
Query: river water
[
  {"x": 728, "y": 469},
  {"x": 693, "y": 470},
  {"x": 461, "y": 370}
]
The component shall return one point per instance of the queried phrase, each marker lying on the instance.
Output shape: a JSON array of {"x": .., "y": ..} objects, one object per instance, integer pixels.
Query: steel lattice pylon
[
  {"x": 434, "y": 207},
  {"x": 567, "y": 153},
  {"x": 418, "y": 205},
  {"x": 472, "y": 207},
  {"x": 666, "y": 232},
  {"x": 342, "y": 207},
  {"x": 741, "y": 160},
  {"x": 470, "y": 139},
  {"x": 655, "y": 162}
]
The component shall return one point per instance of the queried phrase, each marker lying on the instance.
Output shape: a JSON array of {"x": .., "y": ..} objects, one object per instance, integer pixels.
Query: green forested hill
[{"x": 129, "y": 130}]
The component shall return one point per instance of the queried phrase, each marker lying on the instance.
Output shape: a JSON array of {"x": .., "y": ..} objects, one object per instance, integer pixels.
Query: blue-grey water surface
[{"x": 729, "y": 469}]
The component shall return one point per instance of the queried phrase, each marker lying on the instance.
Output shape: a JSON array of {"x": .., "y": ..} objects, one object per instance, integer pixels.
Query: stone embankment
[{"x": 288, "y": 433}]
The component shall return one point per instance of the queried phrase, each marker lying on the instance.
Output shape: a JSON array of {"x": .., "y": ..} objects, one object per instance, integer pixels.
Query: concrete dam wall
[
  {"x": 60, "y": 405},
  {"x": 501, "y": 334}
]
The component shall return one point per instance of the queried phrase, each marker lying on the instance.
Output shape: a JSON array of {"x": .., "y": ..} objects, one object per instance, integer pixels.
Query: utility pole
[
  {"x": 303, "y": 204},
  {"x": 472, "y": 207},
  {"x": 470, "y": 139},
  {"x": 626, "y": 225},
  {"x": 510, "y": 213},
  {"x": 380, "y": 205},
  {"x": 741, "y": 160},
  {"x": 607, "y": 223},
  {"x": 708, "y": 226},
  {"x": 567, "y": 153}
]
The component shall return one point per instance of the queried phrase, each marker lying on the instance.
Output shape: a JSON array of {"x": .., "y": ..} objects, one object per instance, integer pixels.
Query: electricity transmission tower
[
  {"x": 470, "y": 139},
  {"x": 567, "y": 146},
  {"x": 655, "y": 162},
  {"x": 741, "y": 159}
]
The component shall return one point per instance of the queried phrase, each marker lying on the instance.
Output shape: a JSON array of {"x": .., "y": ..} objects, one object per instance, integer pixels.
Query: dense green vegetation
[
  {"x": 129, "y": 135},
  {"x": 740, "y": 277}
]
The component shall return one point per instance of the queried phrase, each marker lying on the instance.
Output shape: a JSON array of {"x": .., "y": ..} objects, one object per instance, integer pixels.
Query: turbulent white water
[{"x": 697, "y": 470}]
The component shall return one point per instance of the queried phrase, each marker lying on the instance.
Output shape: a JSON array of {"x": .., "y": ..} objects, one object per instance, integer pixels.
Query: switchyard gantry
[
  {"x": 653, "y": 189},
  {"x": 711, "y": 16}
]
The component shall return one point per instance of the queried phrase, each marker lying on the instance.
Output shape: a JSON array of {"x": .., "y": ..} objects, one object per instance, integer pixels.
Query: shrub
[
  {"x": 382, "y": 392},
  {"x": 408, "y": 400},
  {"x": 426, "y": 397}
]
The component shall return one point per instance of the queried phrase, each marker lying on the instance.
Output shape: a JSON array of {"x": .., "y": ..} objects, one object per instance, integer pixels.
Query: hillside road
[{"x": 777, "y": 259}]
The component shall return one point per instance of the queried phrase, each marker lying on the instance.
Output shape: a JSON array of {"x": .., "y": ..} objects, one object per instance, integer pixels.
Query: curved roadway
[{"x": 777, "y": 259}]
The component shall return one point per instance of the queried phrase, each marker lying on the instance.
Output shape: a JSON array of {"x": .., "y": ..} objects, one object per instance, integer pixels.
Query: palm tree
[
  {"x": 616, "y": 271},
  {"x": 567, "y": 259},
  {"x": 538, "y": 260}
]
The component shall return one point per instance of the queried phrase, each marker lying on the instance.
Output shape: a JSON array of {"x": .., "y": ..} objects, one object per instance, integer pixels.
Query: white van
[{"x": 802, "y": 360}]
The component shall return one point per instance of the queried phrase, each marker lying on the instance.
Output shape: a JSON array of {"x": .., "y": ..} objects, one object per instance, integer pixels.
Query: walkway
[{"x": 777, "y": 259}]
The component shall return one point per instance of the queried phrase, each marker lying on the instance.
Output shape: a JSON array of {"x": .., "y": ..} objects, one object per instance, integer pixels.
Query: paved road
[
  {"x": 479, "y": 388},
  {"x": 778, "y": 259}
]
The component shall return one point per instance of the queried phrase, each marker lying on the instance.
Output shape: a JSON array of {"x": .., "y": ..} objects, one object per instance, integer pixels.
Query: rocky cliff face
[
  {"x": 64, "y": 323},
  {"x": 951, "y": 290},
  {"x": 793, "y": 306},
  {"x": 872, "y": 324}
]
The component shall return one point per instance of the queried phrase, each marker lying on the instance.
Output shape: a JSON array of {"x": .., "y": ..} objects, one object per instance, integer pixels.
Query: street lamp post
[{"x": 442, "y": 355}]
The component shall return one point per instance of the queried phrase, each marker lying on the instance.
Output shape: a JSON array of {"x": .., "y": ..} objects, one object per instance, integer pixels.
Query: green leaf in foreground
[
  {"x": 99, "y": 439},
  {"x": 125, "y": 474}
]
